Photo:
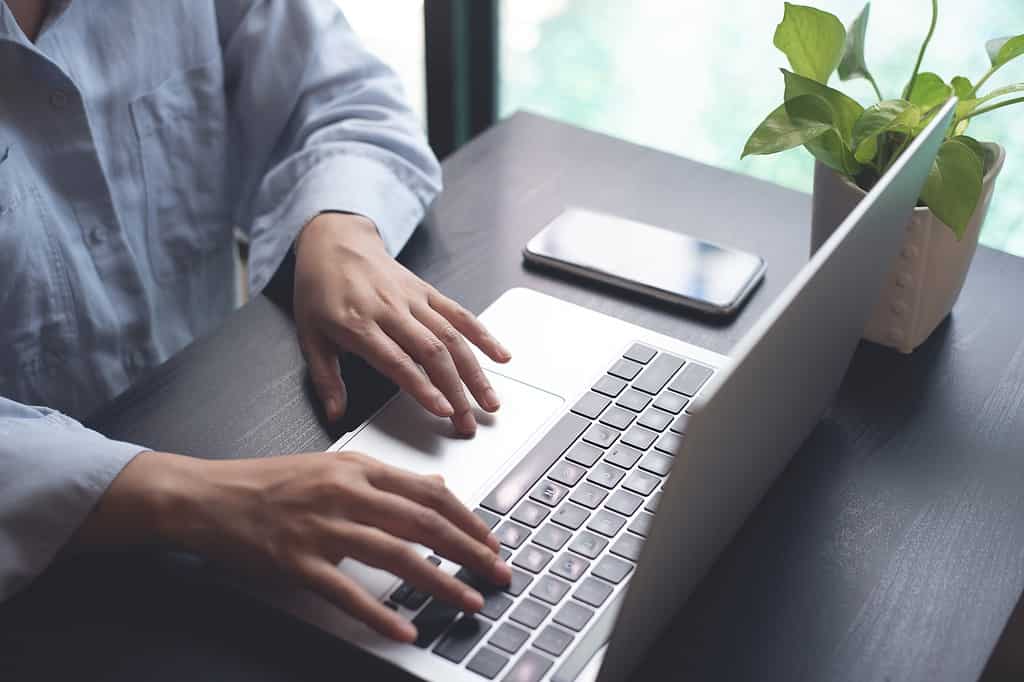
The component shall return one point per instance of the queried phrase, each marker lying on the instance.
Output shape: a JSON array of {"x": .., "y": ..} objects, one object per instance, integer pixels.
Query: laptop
[{"x": 573, "y": 474}]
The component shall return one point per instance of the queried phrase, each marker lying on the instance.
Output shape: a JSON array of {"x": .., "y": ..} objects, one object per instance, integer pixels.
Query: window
[{"x": 695, "y": 78}]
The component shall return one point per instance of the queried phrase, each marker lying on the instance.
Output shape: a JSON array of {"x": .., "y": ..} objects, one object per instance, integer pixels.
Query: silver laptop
[{"x": 573, "y": 473}]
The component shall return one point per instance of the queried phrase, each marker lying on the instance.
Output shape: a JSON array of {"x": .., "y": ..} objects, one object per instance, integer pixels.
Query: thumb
[{"x": 322, "y": 359}]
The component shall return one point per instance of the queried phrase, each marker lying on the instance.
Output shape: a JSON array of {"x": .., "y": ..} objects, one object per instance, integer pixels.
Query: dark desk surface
[{"x": 891, "y": 548}]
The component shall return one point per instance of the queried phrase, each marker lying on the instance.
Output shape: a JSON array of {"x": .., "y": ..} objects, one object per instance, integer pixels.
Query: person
[{"x": 133, "y": 137}]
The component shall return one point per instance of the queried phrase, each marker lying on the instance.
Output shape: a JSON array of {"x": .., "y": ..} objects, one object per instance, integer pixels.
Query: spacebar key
[{"x": 536, "y": 462}]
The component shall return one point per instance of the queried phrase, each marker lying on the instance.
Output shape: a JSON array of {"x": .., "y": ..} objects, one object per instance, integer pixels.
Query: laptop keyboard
[{"x": 571, "y": 516}]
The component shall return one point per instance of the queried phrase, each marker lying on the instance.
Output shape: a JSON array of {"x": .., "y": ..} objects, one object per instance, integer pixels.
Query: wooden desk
[{"x": 891, "y": 548}]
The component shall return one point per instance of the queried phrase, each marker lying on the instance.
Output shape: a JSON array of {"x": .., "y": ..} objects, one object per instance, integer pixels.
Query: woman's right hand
[{"x": 297, "y": 517}]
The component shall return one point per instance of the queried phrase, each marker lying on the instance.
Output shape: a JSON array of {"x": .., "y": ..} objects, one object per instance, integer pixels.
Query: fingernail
[
  {"x": 465, "y": 424},
  {"x": 331, "y": 408},
  {"x": 502, "y": 572},
  {"x": 491, "y": 398},
  {"x": 444, "y": 408},
  {"x": 407, "y": 632},
  {"x": 473, "y": 599}
]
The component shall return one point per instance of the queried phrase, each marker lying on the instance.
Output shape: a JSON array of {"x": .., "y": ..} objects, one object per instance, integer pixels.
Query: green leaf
[
  {"x": 890, "y": 116},
  {"x": 845, "y": 111},
  {"x": 929, "y": 91},
  {"x": 953, "y": 188},
  {"x": 812, "y": 40},
  {"x": 962, "y": 88},
  {"x": 1003, "y": 50},
  {"x": 866, "y": 150},
  {"x": 853, "y": 65},
  {"x": 796, "y": 122},
  {"x": 834, "y": 153},
  {"x": 985, "y": 154}
]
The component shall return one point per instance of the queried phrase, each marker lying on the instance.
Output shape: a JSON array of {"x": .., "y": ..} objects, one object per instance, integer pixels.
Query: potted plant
[{"x": 854, "y": 145}]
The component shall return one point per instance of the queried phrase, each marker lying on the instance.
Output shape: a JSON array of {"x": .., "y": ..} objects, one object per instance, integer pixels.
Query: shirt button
[
  {"x": 59, "y": 99},
  {"x": 96, "y": 236}
]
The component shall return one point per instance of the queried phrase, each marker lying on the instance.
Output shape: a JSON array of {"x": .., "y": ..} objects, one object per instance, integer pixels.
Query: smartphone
[{"x": 666, "y": 265}]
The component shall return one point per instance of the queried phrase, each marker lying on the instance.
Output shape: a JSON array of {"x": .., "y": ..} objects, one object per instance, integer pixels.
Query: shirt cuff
[{"x": 343, "y": 183}]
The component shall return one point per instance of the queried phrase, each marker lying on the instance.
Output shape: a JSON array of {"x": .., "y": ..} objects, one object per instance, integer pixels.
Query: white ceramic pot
[{"x": 930, "y": 271}]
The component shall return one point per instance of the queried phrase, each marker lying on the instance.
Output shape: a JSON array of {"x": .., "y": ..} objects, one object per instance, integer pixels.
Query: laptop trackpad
[{"x": 405, "y": 435}]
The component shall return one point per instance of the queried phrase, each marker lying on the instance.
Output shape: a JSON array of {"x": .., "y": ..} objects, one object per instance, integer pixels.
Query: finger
[
  {"x": 322, "y": 360},
  {"x": 413, "y": 522},
  {"x": 325, "y": 579},
  {"x": 465, "y": 362},
  {"x": 469, "y": 326},
  {"x": 388, "y": 358},
  {"x": 378, "y": 548},
  {"x": 426, "y": 349}
]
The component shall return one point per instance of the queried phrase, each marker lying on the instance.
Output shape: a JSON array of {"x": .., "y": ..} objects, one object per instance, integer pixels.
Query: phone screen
[{"x": 667, "y": 264}]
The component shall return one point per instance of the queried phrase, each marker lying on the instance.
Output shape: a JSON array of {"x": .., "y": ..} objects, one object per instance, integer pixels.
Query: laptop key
[
  {"x": 606, "y": 476},
  {"x": 570, "y": 516},
  {"x": 588, "y": 496},
  {"x": 625, "y": 369},
  {"x": 634, "y": 400},
  {"x": 641, "y": 483},
  {"x": 550, "y": 590},
  {"x": 530, "y": 514},
  {"x": 509, "y": 638},
  {"x": 691, "y": 379},
  {"x": 609, "y": 386},
  {"x": 639, "y": 437},
  {"x": 520, "y": 581},
  {"x": 641, "y": 525},
  {"x": 487, "y": 663},
  {"x": 584, "y": 454},
  {"x": 512, "y": 534},
  {"x": 655, "y": 419},
  {"x": 679, "y": 425},
  {"x": 657, "y": 374},
  {"x": 487, "y": 517},
  {"x": 416, "y": 599},
  {"x": 612, "y": 569},
  {"x": 593, "y": 592},
  {"x": 432, "y": 621},
  {"x": 530, "y": 613},
  {"x": 591, "y": 405},
  {"x": 552, "y": 537},
  {"x": 531, "y": 667},
  {"x": 532, "y": 558},
  {"x": 495, "y": 605},
  {"x": 553, "y": 640},
  {"x": 669, "y": 443},
  {"x": 638, "y": 352},
  {"x": 671, "y": 402},
  {"x": 566, "y": 473},
  {"x": 617, "y": 418},
  {"x": 600, "y": 435},
  {"x": 624, "y": 502},
  {"x": 657, "y": 463},
  {"x": 574, "y": 616},
  {"x": 652, "y": 502},
  {"x": 588, "y": 544},
  {"x": 549, "y": 493},
  {"x": 628, "y": 546},
  {"x": 535, "y": 464},
  {"x": 461, "y": 638},
  {"x": 623, "y": 456},
  {"x": 606, "y": 523},
  {"x": 504, "y": 553},
  {"x": 570, "y": 567}
]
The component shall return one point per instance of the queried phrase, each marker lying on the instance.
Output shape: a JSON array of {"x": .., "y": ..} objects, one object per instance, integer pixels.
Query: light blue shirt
[{"x": 133, "y": 135}]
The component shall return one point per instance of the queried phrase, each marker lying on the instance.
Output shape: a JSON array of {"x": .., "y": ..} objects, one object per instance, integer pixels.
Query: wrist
[{"x": 336, "y": 224}]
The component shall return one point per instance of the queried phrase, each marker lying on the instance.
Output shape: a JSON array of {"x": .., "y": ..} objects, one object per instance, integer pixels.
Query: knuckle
[
  {"x": 449, "y": 335},
  {"x": 429, "y": 523},
  {"x": 433, "y": 348}
]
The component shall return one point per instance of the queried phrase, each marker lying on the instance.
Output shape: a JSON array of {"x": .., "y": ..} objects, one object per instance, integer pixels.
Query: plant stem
[
  {"x": 924, "y": 47},
  {"x": 1000, "y": 105},
  {"x": 871, "y": 79},
  {"x": 984, "y": 78}
]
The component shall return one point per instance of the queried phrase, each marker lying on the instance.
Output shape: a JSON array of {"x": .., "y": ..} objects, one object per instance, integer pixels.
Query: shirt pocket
[
  {"x": 36, "y": 313},
  {"x": 181, "y": 127}
]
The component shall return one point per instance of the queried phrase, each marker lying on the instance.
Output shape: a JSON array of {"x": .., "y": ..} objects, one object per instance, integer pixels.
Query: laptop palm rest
[{"x": 405, "y": 435}]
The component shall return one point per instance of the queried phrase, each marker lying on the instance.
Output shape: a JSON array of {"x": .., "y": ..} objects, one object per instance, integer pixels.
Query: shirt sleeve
[
  {"x": 53, "y": 471},
  {"x": 317, "y": 124}
]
